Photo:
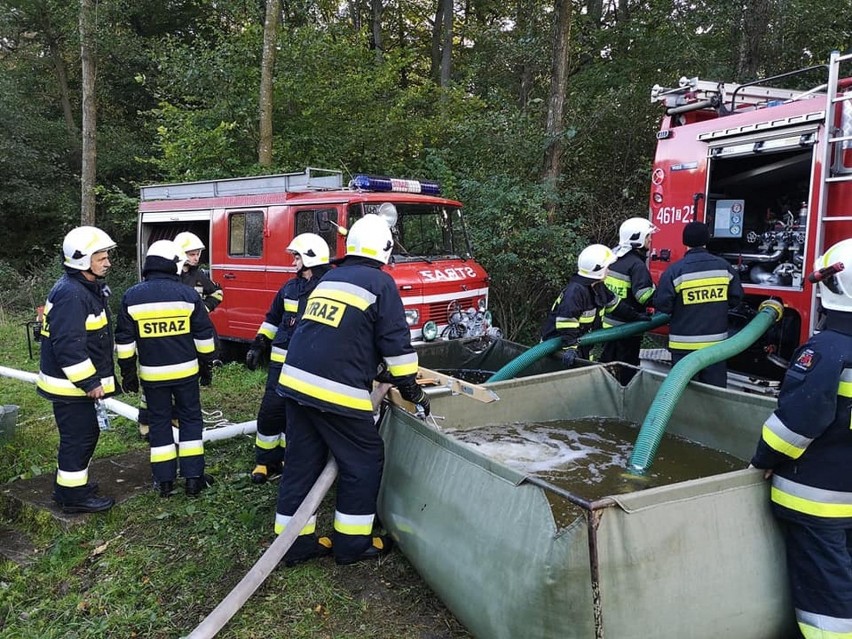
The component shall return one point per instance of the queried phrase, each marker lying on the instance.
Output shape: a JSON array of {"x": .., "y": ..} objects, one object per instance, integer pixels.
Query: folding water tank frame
[{"x": 700, "y": 559}]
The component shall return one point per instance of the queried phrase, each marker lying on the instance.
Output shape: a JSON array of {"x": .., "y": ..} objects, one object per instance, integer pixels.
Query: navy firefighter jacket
[
  {"x": 168, "y": 325},
  {"x": 76, "y": 350},
  {"x": 628, "y": 277},
  {"x": 353, "y": 320},
  {"x": 697, "y": 292},
  {"x": 807, "y": 441},
  {"x": 280, "y": 320},
  {"x": 579, "y": 307}
]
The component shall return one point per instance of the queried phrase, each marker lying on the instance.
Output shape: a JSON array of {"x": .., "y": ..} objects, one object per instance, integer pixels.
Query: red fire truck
[
  {"x": 770, "y": 171},
  {"x": 247, "y": 223}
]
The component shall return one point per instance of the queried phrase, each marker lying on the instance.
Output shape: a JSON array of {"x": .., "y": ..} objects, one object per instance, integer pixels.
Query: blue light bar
[{"x": 395, "y": 185}]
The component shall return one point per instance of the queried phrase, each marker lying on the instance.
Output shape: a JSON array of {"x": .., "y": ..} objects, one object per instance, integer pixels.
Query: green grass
[{"x": 154, "y": 568}]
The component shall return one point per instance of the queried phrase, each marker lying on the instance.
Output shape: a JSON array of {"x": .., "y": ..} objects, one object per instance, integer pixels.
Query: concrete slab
[
  {"x": 120, "y": 477},
  {"x": 16, "y": 546}
]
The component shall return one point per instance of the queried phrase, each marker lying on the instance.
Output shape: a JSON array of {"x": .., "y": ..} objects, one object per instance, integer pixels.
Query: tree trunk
[
  {"x": 376, "y": 9},
  {"x": 754, "y": 23},
  {"x": 355, "y": 12},
  {"x": 556, "y": 103},
  {"x": 447, "y": 44},
  {"x": 267, "y": 73},
  {"x": 90, "y": 153},
  {"x": 435, "y": 48}
]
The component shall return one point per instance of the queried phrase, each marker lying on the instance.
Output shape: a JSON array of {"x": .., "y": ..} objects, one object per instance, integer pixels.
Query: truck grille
[{"x": 439, "y": 312}]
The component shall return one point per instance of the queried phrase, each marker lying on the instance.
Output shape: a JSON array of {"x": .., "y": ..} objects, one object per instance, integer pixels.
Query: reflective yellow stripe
[
  {"x": 191, "y": 448},
  {"x": 96, "y": 322},
  {"x": 72, "y": 478},
  {"x": 402, "y": 365},
  {"x": 776, "y": 443},
  {"x": 690, "y": 346},
  {"x": 278, "y": 355},
  {"x": 267, "y": 442},
  {"x": 702, "y": 281},
  {"x": 291, "y": 306},
  {"x": 163, "y": 453},
  {"x": 267, "y": 330},
  {"x": 567, "y": 323},
  {"x": 324, "y": 394},
  {"x": 348, "y": 294},
  {"x": 80, "y": 371},
  {"x": 157, "y": 310},
  {"x": 353, "y": 524},
  {"x": 281, "y": 522},
  {"x": 125, "y": 351},
  {"x": 205, "y": 346},
  {"x": 66, "y": 388},
  {"x": 809, "y": 507},
  {"x": 169, "y": 372}
]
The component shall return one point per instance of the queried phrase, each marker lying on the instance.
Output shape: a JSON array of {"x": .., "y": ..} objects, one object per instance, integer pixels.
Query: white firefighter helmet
[
  {"x": 632, "y": 234},
  {"x": 311, "y": 247},
  {"x": 81, "y": 243},
  {"x": 169, "y": 251},
  {"x": 594, "y": 260},
  {"x": 187, "y": 242},
  {"x": 370, "y": 237},
  {"x": 836, "y": 290}
]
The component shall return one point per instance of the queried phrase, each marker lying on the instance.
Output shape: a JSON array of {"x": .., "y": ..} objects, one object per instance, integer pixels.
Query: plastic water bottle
[{"x": 103, "y": 418}]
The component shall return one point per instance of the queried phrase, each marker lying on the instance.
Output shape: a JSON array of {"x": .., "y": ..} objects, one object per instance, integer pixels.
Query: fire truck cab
[
  {"x": 247, "y": 223},
  {"x": 770, "y": 172}
]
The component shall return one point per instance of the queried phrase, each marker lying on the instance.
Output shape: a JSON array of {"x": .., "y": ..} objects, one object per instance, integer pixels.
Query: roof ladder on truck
[
  {"x": 839, "y": 139},
  {"x": 838, "y": 144}
]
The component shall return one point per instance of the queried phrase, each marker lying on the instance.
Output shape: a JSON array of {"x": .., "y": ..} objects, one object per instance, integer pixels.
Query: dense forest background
[{"x": 536, "y": 114}]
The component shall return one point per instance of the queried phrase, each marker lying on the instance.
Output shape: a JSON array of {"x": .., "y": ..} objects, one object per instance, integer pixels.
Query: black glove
[
  {"x": 384, "y": 376},
  {"x": 256, "y": 351},
  {"x": 129, "y": 378},
  {"x": 569, "y": 355},
  {"x": 411, "y": 392},
  {"x": 130, "y": 383},
  {"x": 205, "y": 372},
  {"x": 643, "y": 317}
]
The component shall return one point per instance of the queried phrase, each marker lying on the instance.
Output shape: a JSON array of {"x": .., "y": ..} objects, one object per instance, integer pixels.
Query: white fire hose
[{"x": 132, "y": 413}]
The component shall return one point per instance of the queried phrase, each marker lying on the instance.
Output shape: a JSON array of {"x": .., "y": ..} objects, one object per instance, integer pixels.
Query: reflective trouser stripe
[
  {"x": 815, "y": 626},
  {"x": 281, "y": 522},
  {"x": 190, "y": 448},
  {"x": 72, "y": 479},
  {"x": 353, "y": 524},
  {"x": 269, "y": 442},
  {"x": 163, "y": 453}
]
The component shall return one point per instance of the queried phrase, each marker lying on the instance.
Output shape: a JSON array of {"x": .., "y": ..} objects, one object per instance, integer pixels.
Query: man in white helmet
[
  {"x": 629, "y": 278},
  {"x": 579, "y": 307},
  {"x": 806, "y": 448},
  {"x": 165, "y": 326},
  {"x": 194, "y": 276},
  {"x": 76, "y": 368},
  {"x": 353, "y": 322},
  {"x": 311, "y": 259}
]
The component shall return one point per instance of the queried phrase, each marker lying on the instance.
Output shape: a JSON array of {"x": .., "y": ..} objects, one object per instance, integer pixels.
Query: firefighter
[
  {"x": 211, "y": 295},
  {"x": 580, "y": 306},
  {"x": 630, "y": 279},
  {"x": 806, "y": 448},
  {"x": 191, "y": 275},
  {"x": 697, "y": 291},
  {"x": 310, "y": 256},
  {"x": 166, "y": 323},
  {"x": 76, "y": 368},
  {"x": 354, "y": 320}
]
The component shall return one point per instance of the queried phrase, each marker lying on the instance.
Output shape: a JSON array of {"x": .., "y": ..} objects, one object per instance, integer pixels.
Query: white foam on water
[{"x": 537, "y": 448}]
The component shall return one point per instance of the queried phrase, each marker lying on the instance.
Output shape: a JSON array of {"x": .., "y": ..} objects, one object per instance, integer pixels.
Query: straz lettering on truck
[
  {"x": 164, "y": 327},
  {"x": 448, "y": 274},
  {"x": 324, "y": 311},
  {"x": 701, "y": 294}
]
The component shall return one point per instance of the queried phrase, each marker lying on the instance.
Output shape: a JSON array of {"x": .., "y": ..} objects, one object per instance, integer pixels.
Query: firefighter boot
[
  {"x": 194, "y": 485},
  {"x": 305, "y": 548},
  {"x": 379, "y": 547},
  {"x": 165, "y": 488},
  {"x": 91, "y": 504},
  {"x": 262, "y": 472}
]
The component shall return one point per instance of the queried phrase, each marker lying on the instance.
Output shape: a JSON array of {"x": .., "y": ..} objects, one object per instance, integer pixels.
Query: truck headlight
[
  {"x": 412, "y": 316},
  {"x": 430, "y": 331}
]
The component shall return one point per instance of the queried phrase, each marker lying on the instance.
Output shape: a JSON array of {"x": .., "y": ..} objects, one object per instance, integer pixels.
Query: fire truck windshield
[{"x": 426, "y": 231}]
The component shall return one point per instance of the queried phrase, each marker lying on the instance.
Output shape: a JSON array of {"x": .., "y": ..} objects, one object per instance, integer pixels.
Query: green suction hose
[
  {"x": 671, "y": 389},
  {"x": 550, "y": 346}
]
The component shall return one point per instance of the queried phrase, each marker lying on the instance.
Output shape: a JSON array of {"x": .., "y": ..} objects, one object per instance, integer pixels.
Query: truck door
[{"x": 239, "y": 264}]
